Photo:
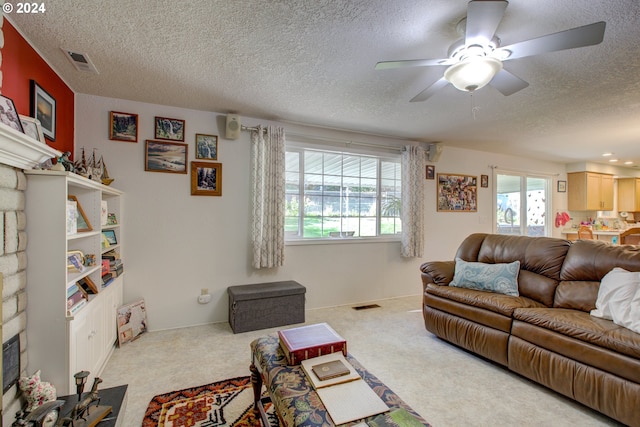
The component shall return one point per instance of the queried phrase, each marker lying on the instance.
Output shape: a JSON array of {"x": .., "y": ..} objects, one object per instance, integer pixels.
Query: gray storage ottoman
[{"x": 265, "y": 305}]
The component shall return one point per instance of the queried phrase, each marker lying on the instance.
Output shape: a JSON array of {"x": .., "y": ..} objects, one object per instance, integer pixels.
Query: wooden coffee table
[{"x": 295, "y": 401}]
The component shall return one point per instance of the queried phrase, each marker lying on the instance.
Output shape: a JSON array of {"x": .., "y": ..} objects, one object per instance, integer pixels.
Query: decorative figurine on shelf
[{"x": 65, "y": 162}]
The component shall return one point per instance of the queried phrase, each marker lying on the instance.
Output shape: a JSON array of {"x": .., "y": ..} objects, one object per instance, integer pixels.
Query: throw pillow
[
  {"x": 36, "y": 392},
  {"x": 501, "y": 278},
  {"x": 619, "y": 298}
]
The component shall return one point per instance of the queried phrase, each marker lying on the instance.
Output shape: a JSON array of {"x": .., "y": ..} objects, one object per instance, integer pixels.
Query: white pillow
[{"x": 619, "y": 298}]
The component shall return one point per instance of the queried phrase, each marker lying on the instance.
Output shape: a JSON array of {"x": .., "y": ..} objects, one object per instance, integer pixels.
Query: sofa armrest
[{"x": 437, "y": 272}]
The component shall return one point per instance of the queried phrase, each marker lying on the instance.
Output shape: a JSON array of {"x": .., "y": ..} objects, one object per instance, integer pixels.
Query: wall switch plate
[{"x": 204, "y": 299}]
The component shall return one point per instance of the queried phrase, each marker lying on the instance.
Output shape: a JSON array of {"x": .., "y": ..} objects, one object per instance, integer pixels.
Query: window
[
  {"x": 333, "y": 194},
  {"x": 522, "y": 207}
]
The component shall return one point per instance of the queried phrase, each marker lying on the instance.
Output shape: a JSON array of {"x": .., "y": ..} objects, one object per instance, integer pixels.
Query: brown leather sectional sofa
[{"x": 546, "y": 333}]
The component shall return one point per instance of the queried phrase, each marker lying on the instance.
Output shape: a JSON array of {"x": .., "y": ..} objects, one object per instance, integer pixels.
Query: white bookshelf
[{"x": 61, "y": 343}]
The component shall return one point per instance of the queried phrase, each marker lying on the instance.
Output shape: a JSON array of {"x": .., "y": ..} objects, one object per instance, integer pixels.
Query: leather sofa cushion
[
  {"x": 497, "y": 303},
  {"x": 591, "y": 260},
  {"x": 577, "y": 295},
  {"x": 438, "y": 272},
  {"x": 583, "y": 327}
]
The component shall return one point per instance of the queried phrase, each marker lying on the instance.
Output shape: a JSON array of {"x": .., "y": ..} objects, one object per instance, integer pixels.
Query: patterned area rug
[{"x": 221, "y": 404}]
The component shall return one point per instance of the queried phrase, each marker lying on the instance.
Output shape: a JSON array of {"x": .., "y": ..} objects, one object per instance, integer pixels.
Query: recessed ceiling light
[
  {"x": 607, "y": 154},
  {"x": 628, "y": 163},
  {"x": 613, "y": 160}
]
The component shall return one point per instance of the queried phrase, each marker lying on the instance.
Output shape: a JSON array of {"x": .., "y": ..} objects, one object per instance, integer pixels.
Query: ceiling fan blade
[
  {"x": 386, "y": 65},
  {"x": 507, "y": 83},
  {"x": 586, "y": 35},
  {"x": 428, "y": 92},
  {"x": 483, "y": 18}
]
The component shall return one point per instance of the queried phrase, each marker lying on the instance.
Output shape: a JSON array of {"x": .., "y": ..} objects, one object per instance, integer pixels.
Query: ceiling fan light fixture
[{"x": 473, "y": 73}]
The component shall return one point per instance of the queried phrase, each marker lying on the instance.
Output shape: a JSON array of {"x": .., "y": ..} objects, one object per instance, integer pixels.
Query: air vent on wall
[{"x": 80, "y": 60}]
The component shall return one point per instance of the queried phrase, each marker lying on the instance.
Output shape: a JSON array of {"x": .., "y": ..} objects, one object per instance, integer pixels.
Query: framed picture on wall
[
  {"x": 169, "y": 157},
  {"x": 562, "y": 186},
  {"x": 206, "y": 179},
  {"x": 457, "y": 193},
  {"x": 484, "y": 181},
  {"x": 206, "y": 146},
  {"x": 43, "y": 108},
  {"x": 123, "y": 126},
  {"x": 171, "y": 129},
  {"x": 431, "y": 172},
  {"x": 8, "y": 114}
]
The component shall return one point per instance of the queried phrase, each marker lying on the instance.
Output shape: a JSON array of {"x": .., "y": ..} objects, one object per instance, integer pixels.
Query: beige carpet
[{"x": 446, "y": 385}]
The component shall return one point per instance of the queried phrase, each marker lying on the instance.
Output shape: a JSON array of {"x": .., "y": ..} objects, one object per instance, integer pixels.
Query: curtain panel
[
  {"x": 413, "y": 169},
  {"x": 268, "y": 196}
]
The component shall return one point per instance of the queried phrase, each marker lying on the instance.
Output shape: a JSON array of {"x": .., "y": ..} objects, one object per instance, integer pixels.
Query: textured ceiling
[{"x": 312, "y": 62}]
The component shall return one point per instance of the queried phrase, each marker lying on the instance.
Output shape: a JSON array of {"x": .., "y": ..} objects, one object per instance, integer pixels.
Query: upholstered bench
[
  {"x": 294, "y": 399},
  {"x": 265, "y": 305}
]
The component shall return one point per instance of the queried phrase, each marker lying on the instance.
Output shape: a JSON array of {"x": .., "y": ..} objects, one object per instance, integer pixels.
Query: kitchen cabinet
[
  {"x": 629, "y": 194},
  {"x": 590, "y": 191}
]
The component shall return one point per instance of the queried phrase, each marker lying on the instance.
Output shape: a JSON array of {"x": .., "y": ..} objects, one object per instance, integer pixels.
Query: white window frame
[{"x": 387, "y": 155}]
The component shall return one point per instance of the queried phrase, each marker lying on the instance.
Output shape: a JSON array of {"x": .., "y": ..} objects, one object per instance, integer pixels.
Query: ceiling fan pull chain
[{"x": 474, "y": 109}]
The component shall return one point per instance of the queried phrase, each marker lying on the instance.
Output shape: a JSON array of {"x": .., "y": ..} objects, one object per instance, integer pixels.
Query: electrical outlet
[
  {"x": 204, "y": 291},
  {"x": 204, "y": 299}
]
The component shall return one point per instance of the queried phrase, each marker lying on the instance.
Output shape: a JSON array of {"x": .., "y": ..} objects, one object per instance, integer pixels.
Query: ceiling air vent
[{"x": 81, "y": 61}]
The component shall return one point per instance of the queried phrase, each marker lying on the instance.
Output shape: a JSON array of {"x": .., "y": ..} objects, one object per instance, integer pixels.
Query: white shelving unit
[{"x": 61, "y": 344}]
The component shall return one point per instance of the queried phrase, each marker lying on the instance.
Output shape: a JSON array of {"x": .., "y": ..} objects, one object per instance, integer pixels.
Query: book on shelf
[
  {"x": 76, "y": 307},
  {"x": 306, "y": 342},
  {"x": 105, "y": 266},
  {"x": 75, "y": 298},
  {"x": 107, "y": 279},
  {"x": 111, "y": 255},
  {"x": 309, "y": 368}
]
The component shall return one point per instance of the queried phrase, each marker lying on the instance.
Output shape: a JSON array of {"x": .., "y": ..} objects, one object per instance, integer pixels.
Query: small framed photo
[
  {"x": 431, "y": 172},
  {"x": 110, "y": 236},
  {"x": 32, "y": 128},
  {"x": 43, "y": 108},
  {"x": 171, "y": 129},
  {"x": 123, "y": 126},
  {"x": 88, "y": 285},
  {"x": 206, "y": 146},
  {"x": 112, "y": 219},
  {"x": 206, "y": 179},
  {"x": 8, "y": 114},
  {"x": 562, "y": 186},
  {"x": 75, "y": 261},
  {"x": 81, "y": 218},
  {"x": 169, "y": 157},
  {"x": 484, "y": 181}
]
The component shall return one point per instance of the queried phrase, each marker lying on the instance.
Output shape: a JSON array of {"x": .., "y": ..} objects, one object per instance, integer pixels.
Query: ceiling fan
[{"x": 476, "y": 60}]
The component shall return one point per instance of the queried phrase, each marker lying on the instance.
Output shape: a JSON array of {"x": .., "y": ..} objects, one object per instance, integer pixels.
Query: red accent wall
[{"x": 21, "y": 64}]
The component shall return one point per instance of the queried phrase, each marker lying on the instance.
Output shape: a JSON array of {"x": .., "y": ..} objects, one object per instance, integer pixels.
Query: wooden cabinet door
[{"x": 606, "y": 192}]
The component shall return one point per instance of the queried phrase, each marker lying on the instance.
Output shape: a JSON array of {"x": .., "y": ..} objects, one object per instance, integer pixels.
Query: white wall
[{"x": 176, "y": 244}]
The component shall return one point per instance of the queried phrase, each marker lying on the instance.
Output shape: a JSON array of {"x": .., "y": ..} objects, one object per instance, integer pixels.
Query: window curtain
[
  {"x": 268, "y": 196},
  {"x": 413, "y": 169}
]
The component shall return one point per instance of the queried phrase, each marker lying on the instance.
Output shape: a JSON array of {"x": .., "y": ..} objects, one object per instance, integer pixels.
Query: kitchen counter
[{"x": 628, "y": 236}]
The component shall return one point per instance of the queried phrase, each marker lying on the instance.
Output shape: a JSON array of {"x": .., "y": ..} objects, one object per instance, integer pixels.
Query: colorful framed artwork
[
  {"x": 43, "y": 108},
  {"x": 171, "y": 129},
  {"x": 110, "y": 236},
  {"x": 431, "y": 172},
  {"x": 81, "y": 218},
  {"x": 457, "y": 193},
  {"x": 562, "y": 186},
  {"x": 206, "y": 179},
  {"x": 206, "y": 146},
  {"x": 8, "y": 114},
  {"x": 484, "y": 181},
  {"x": 32, "y": 128},
  {"x": 132, "y": 321},
  {"x": 169, "y": 157},
  {"x": 123, "y": 126}
]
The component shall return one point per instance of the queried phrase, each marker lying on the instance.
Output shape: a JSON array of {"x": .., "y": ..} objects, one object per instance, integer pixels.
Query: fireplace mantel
[{"x": 22, "y": 151}]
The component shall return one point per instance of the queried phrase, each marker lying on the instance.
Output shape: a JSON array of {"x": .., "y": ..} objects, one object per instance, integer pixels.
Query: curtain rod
[{"x": 334, "y": 140}]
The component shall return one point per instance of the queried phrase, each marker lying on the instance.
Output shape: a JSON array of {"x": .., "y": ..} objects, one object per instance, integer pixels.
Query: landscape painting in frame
[
  {"x": 169, "y": 157},
  {"x": 43, "y": 108},
  {"x": 457, "y": 193},
  {"x": 206, "y": 146},
  {"x": 206, "y": 179},
  {"x": 171, "y": 129},
  {"x": 123, "y": 126}
]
